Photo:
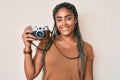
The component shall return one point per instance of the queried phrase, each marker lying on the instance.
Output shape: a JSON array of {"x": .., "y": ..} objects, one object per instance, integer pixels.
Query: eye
[
  {"x": 58, "y": 20},
  {"x": 68, "y": 18}
]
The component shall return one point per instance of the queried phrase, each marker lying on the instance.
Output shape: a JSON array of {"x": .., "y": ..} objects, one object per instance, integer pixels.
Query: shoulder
[
  {"x": 87, "y": 45},
  {"x": 88, "y": 50}
]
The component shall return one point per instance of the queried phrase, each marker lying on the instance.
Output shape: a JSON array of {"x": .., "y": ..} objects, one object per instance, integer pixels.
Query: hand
[{"x": 28, "y": 37}]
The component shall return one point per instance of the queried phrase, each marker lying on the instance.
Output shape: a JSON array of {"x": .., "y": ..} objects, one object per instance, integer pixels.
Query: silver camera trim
[{"x": 39, "y": 29}]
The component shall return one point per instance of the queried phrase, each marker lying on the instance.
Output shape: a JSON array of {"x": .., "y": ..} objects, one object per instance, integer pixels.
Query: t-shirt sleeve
[{"x": 88, "y": 49}]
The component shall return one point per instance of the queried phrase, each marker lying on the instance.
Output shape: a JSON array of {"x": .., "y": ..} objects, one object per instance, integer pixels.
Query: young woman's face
[{"x": 65, "y": 21}]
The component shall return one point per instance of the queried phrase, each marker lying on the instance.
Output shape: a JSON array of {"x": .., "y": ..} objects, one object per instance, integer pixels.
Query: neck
[{"x": 67, "y": 38}]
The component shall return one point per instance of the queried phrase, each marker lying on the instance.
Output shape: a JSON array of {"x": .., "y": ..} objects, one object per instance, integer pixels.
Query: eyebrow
[{"x": 65, "y": 16}]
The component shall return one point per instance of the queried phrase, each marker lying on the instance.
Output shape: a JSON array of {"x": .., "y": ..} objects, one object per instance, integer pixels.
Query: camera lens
[{"x": 40, "y": 34}]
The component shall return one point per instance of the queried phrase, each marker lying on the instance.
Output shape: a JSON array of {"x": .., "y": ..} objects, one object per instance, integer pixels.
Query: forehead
[{"x": 63, "y": 12}]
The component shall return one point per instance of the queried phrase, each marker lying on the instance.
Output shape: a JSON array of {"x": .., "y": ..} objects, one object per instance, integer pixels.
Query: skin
[
  {"x": 31, "y": 66},
  {"x": 65, "y": 21}
]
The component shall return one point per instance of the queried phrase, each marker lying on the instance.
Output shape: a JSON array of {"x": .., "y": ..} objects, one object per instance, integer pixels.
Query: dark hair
[{"x": 77, "y": 33}]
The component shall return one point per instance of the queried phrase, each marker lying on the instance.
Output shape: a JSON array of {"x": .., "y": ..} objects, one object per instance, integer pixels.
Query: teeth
[{"x": 65, "y": 28}]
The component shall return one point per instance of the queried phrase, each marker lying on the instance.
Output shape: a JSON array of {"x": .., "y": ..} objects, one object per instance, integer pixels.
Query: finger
[
  {"x": 24, "y": 36},
  {"x": 28, "y": 31},
  {"x": 30, "y": 39},
  {"x": 31, "y": 36},
  {"x": 28, "y": 27}
]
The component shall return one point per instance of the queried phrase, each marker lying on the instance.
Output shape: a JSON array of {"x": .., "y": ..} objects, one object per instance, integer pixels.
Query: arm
[
  {"x": 32, "y": 66},
  {"x": 89, "y": 70},
  {"x": 89, "y": 61}
]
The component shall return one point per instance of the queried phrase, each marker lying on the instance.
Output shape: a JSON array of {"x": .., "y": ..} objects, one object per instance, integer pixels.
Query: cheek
[
  {"x": 68, "y": 23},
  {"x": 58, "y": 24},
  {"x": 71, "y": 24}
]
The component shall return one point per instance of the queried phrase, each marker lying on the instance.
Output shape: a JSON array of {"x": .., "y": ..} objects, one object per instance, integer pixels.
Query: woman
[{"x": 65, "y": 56}]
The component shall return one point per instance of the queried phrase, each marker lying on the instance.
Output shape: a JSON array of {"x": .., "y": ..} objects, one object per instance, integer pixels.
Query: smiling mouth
[{"x": 65, "y": 29}]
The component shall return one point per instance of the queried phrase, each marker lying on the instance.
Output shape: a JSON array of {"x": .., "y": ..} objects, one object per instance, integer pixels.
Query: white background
[{"x": 99, "y": 23}]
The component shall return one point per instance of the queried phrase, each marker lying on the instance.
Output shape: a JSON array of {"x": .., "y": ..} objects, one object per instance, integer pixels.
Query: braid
[{"x": 80, "y": 48}]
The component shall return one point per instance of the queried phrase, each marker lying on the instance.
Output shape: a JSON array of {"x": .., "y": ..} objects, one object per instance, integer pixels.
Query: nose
[{"x": 64, "y": 23}]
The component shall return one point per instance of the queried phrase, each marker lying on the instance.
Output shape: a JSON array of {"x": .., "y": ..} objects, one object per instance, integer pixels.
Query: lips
[{"x": 65, "y": 30}]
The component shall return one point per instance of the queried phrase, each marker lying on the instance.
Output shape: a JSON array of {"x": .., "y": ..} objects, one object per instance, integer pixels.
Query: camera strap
[{"x": 35, "y": 45}]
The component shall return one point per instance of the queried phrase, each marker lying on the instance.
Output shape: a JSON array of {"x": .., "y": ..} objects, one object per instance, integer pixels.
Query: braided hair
[{"x": 77, "y": 34}]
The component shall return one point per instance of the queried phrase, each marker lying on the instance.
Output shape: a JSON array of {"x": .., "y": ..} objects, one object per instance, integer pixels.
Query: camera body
[{"x": 40, "y": 32}]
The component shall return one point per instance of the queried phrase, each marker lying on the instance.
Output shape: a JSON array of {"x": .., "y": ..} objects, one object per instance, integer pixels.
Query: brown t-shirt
[{"x": 59, "y": 67}]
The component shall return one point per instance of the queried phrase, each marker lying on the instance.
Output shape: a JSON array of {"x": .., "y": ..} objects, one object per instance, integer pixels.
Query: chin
[{"x": 66, "y": 34}]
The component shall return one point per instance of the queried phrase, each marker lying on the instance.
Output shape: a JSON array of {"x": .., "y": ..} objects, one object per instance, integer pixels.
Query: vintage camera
[{"x": 40, "y": 32}]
